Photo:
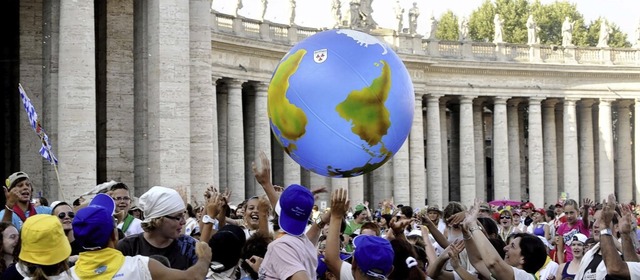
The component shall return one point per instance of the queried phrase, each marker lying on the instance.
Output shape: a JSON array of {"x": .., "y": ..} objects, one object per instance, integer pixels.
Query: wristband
[
  {"x": 207, "y": 220},
  {"x": 606, "y": 231},
  {"x": 471, "y": 229},
  {"x": 320, "y": 224}
]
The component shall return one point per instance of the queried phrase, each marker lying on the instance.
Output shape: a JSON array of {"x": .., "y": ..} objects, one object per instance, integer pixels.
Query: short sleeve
[
  {"x": 285, "y": 260},
  {"x": 345, "y": 271}
]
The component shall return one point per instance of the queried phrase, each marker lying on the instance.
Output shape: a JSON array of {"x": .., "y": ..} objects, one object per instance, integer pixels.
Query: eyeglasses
[
  {"x": 68, "y": 214},
  {"x": 123, "y": 198},
  {"x": 175, "y": 218},
  {"x": 505, "y": 217}
]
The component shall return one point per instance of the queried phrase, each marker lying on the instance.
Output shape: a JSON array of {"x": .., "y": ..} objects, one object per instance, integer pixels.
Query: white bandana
[{"x": 160, "y": 201}]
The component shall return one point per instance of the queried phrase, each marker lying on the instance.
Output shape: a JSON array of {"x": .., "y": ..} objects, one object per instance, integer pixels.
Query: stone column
[
  {"x": 76, "y": 99},
  {"x": 606, "y": 178},
  {"x": 434, "y": 151},
  {"x": 262, "y": 129},
  {"x": 479, "y": 138},
  {"x": 535, "y": 149},
  {"x": 356, "y": 188},
  {"x": 636, "y": 148},
  {"x": 401, "y": 188},
  {"x": 32, "y": 67},
  {"x": 571, "y": 161},
  {"x": 550, "y": 151},
  {"x": 292, "y": 171},
  {"x": 515, "y": 183},
  {"x": 222, "y": 96},
  {"x": 467, "y": 154},
  {"x": 454, "y": 152},
  {"x": 417, "y": 160},
  {"x": 585, "y": 143},
  {"x": 235, "y": 141},
  {"x": 318, "y": 181},
  {"x": 214, "y": 134},
  {"x": 500, "y": 149},
  {"x": 445, "y": 149},
  {"x": 203, "y": 124},
  {"x": 168, "y": 98},
  {"x": 623, "y": 172},
  {"x": 338, "y": 183}
]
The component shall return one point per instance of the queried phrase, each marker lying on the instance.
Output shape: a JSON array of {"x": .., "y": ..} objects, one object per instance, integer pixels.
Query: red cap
[
  {"x": 541, "y": 211},
  {"x": 528, "y": 205}
]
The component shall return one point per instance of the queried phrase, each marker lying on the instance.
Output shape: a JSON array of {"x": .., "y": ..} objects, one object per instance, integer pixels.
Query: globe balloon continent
[{"x": 341, "y": 103}]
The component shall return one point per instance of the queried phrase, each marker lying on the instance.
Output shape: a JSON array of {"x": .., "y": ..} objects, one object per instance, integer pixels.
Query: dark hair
[
  {"x": 190, "y": 211},
  {"x": 119, "y": 186},
  {"x": 551, "y": 214},
  {"x": 533, "y": 252},
  {"x": 387, "y": 219},
  {"x": 403, "y": 250},
  {"x": 16, "y": 250},
  {"x": 40, "y": 272},
  {"x": 256, "y": 245},
  {"x": 490, "y": 227},
  {"x": 59, "y": 204},
  {"x": 76, "y": 202},
  {"x": 499, "y": 245},
  {"x": 43, "y": 201},
  {"x": 14, "y": 183},
  {"x": 451, "y": 209},
  {"x": 407, "y": 211}
]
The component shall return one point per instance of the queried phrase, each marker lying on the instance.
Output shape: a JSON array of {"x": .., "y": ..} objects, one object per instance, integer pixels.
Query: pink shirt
[
  {"x": 288, "y": 255},
  {"x": 568, "y": 232}
]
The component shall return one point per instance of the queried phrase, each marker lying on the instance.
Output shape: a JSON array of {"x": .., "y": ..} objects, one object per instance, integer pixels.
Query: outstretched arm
[
  {"x": 263, "y": 176},
  {"x": 615, "y": 265},
  {"x": 339, "y": 206}
]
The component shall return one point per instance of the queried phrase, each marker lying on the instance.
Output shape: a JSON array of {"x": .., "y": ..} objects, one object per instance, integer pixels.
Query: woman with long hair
[
  {"x": 10, "y": 242},
  {"x": 572, "y": 226}
]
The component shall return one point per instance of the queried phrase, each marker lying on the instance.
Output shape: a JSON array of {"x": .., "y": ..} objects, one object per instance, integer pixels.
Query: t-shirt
[
  {"x": 134, "y": 228},
  {"x": 345, "y": 271},
  {"x": 352, "y": 227},
  {"x": 634, "y": 270},
  {"x": 181, "y": 252},
  {"x": 519, "y": 274},
  {"x": 133, "y": 268},
  {"x": 65, "y": 275},
  {"x": 288, "y": 255},
  {"x": 567, "y": 232},
  {"x": 191, "y": 225},
  {"x": 17, "y": 222}
]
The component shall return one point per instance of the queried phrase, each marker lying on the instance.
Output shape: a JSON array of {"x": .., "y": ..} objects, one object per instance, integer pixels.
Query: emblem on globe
[{"x": 341, "y": 103}]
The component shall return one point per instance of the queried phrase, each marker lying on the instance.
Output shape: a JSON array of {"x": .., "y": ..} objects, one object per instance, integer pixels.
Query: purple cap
[
  {"x": 374, "y": 255},
  {"x": 294, "y": 209},
  {"x": 94, "y": 224}
]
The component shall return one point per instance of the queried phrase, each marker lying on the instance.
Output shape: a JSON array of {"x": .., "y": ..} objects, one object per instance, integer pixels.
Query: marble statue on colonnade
[
  {"x": 399, "y": 10},
  {"x": 239, "y": 6},
  {"x": 603, "y": 40},
  {"x": 433, "y": 28},
  {"x": 567, "y": 32},
  {"x": 337, "y": 14},
  {"x": 354, "y": 14},
  {"x": 292, "y": 18},
  {"x": 414, "y": 13},
  {"x": 497, "y": 22},
  {"x": 264, "y": 9},
  {"x": 464, "y": 29},
  {"x": 531, "y": 30}
]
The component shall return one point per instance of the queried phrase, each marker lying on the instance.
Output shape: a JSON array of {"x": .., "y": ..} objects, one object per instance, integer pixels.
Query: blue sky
[{"x": 317, "y": 13}]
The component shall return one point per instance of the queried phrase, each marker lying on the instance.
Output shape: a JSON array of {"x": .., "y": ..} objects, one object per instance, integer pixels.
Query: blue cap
[
  {"x": 294, "y": 209},
  {"x": 94, "y": 224},
  {"x": 374, "y": 255}
]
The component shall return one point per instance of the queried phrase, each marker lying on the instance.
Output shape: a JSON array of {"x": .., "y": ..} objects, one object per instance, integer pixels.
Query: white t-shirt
[
  {"x": 133, "y": 268},
  {"x": 519, "y": 274},
  {"x": 548, "y": 270},
  {"x": 634, "y": 270},
  {"x": 345, "y": 271},
  {"x": 191, "y": 225},
  {"x": 134, "y": 228}
]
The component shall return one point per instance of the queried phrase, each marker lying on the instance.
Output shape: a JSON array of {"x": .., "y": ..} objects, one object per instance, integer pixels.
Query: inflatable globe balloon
[{"x": 341, "y": 103}]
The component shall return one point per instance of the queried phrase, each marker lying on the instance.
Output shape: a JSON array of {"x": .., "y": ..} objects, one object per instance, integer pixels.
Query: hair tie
[{"x": 411, "y": 262}]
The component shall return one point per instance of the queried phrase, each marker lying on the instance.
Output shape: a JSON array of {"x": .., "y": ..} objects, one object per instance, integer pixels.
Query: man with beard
[
  {"x": 120, "y": 194},
  {"x": 18, "y": 208}
]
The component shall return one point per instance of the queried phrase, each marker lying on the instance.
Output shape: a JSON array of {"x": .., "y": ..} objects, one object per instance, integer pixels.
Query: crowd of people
[{"x": 283, "y": 235}]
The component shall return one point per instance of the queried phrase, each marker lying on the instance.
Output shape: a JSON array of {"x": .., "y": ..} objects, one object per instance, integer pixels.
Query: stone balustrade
[{"x": 415, "y": 44}]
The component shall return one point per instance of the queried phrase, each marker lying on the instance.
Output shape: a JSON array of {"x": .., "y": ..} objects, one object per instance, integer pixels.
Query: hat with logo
[
  {"x": 434, "y": 207},
  {"x": 14, "y": 177},
  {"x": 579, "y": 237},
  {"x": 374, "y": 255},
  {"x": 44, "y": 241},
  {"x": 94, "y": 224},
  {"x": 485, "y": 207},
  {"x": 294, "y": 209}
]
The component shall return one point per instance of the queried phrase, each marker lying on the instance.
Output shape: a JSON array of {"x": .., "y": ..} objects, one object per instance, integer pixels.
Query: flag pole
[{"x": 55, "y": 167}]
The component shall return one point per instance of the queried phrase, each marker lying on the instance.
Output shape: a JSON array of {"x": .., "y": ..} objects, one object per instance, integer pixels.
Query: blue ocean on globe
[{"x": 341, "y": 103}]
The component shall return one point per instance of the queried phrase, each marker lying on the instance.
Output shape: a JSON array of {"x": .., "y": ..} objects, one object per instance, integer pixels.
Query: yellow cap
[{"x": 44, "y": 241}]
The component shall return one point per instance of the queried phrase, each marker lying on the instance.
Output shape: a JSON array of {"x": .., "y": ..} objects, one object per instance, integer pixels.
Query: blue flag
[{"x": 45, "y": 149}]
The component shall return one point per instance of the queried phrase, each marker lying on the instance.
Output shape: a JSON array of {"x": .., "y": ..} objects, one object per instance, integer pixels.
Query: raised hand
[
  {"x": 587, "y": 203},
  {"x": 214, "y": 204},
  {"x": 12, "y": 196},
  {"x": 262, "y": 174},
  {"x": 472, "y": 216},
  {"x": 454, "y": 252},
  {"x": 608, "y": 211},
  {"x": 339, "y": 203},
  {"x": 626, "y": 221}
]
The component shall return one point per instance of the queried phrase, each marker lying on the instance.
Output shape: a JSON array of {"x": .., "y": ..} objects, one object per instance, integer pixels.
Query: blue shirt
[{"x": 17, "y": 222}]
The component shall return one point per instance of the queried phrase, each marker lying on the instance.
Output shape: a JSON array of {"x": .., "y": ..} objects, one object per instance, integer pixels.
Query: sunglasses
[
  {"x": 505, "y": 217},
  {"x": 68, "y": 214},
  {"x": 175, "y": 218}
]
